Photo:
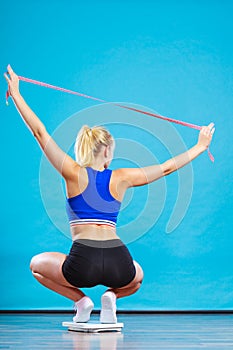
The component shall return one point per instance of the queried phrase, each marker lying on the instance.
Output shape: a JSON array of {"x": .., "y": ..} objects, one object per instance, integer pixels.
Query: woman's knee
[
  {"x": 49, "y": 265},
  {"x": 36, "y": 262},
  {"x": 139, "y": 273}
]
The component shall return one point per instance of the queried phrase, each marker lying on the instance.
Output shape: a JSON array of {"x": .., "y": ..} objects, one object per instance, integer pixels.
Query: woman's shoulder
[{"x": 118, "y": 173}]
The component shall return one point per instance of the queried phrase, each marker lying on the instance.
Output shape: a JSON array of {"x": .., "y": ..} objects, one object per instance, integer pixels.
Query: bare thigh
[{"x": 49, "y": 265}]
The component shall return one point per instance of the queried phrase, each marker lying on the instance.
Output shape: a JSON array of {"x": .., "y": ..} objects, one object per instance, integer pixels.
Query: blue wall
[{"x": 173, "y": 57}]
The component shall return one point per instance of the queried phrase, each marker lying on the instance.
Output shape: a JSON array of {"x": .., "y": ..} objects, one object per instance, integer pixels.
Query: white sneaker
[
  {"x": 108, "y": 308},
  {"x": 84, "y": 308}
]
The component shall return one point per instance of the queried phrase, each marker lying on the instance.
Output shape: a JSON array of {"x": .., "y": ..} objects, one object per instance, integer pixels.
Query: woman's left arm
[{"x": 64, "y": 164}]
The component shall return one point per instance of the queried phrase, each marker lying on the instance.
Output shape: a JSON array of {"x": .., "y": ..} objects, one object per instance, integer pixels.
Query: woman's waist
[
  {"x": 93, "y": 232},
  {"x": 76, "y": 222},
  {"x": 92, "y": 243}
]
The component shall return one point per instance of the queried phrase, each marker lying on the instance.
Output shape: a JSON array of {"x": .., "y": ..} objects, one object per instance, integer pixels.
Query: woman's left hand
[
  {"x": 205, "y": 135},
  {"x": 12, "y": 80}
]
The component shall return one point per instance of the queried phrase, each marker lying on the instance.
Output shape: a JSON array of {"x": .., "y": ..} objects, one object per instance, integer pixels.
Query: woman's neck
[{"x": 98, "y": 165}]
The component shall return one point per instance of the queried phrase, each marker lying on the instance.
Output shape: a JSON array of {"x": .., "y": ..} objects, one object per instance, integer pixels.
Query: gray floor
[{"x": 41, "y": 331}]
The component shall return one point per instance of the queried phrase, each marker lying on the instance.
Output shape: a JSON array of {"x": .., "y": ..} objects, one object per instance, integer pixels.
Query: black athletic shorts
[{"x": 91, "y": 263}]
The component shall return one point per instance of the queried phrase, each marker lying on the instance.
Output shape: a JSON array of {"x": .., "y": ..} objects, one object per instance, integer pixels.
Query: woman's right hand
[
  {"x": 205, "y": 135},
  {"x": 12, "y": 80}
]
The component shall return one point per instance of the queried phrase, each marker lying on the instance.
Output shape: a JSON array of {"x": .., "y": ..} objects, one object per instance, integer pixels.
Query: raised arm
[
  {"x": 142, "y": 176},
  {"x": 64, "y": 164}
]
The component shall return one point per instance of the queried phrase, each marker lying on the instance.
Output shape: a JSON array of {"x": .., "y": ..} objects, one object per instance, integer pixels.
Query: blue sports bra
[{"x": 95, "y": 205}]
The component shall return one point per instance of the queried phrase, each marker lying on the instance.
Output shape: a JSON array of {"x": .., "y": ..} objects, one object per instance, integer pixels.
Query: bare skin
[{"x": 46, "y": 267}]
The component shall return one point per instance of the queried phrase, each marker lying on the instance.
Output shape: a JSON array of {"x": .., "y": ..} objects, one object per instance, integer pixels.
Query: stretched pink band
[{"x": 193, "y": 126}]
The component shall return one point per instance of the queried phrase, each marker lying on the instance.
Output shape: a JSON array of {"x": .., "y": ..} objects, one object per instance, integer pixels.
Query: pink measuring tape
[{"x": 193, "y": 126}]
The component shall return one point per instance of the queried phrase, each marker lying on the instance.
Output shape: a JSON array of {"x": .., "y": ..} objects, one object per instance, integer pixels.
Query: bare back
[{"x": 76, "y": 185}]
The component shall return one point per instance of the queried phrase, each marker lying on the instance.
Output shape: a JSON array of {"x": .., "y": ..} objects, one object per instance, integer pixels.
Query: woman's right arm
[
  {"x": 142, "y": 176},
  {"x": 64, "y": 164}
]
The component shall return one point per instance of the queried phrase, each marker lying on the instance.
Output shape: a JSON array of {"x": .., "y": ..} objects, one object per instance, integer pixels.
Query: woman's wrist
[
  {"x": 201, "y": 148},
  {"x": 15, "y": 95}
]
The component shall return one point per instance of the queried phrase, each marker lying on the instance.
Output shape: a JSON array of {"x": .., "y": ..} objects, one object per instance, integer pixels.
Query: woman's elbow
[
  {"x": 168, "y": 168},
  {"x": 42, "y": 137},
  {"x": 39, "y": 133}
]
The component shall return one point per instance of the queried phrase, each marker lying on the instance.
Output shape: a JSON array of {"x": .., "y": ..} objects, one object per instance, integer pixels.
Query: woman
[{"x": 94, "y": 194}]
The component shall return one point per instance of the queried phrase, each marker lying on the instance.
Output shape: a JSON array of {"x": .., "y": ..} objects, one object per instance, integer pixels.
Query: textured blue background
[{"x": 175, "y": 57}]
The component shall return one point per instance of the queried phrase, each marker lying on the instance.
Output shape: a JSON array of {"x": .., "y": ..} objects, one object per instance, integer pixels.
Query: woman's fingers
[
  {"x": 208, "y": 130},
  {"x": 9, "y": 69},
  {"x": 210, "y": 126},
  {"x": 12, "y": 80},
  {"x": 206, "y": 135},
  {"x": 11, "y": 73},
  {"x": 212, "y": 131},
  {"x": 6, "y": 77}
]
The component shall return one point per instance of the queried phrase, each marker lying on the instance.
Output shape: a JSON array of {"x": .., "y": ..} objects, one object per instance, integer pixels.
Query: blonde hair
[{"x": 89, "y": 142}]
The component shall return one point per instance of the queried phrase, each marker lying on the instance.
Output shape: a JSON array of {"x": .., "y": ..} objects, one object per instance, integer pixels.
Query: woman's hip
[{"x": 90, "y": 263}]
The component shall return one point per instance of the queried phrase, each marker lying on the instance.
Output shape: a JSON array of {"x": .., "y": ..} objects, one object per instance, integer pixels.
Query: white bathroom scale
[{"x": 93, "y": 327}]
